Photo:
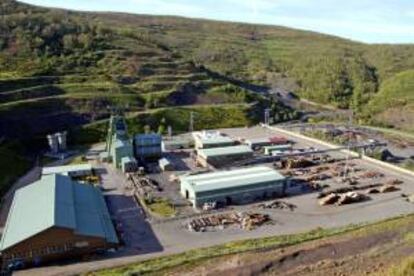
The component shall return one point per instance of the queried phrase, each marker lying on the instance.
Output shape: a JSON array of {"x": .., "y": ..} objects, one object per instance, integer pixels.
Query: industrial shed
[
  {"x": 219, "y": 157},
  {"x": 69, "y": 170},
  {"x": 56, "y": 218},
  {"x": 165, "y": 164},
  {"x": 258, "y": 143},
  {"x": 147, "y": 146},
  {"x": 235, "y": 186},
  {"x": 211, "y": 139},
  {"x": 129, "y": 164},
  {"x": 120, "y": 149},
  {"x": 176, "y": 143},
  {"x": 277, "y": 148}
]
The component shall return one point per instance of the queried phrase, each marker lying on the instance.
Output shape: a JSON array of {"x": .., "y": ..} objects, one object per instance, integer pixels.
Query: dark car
[{"x": 16, "y": 264}]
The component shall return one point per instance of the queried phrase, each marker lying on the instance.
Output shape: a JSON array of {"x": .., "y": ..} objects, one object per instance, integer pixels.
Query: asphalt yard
[{"x": 146, "y": 239}]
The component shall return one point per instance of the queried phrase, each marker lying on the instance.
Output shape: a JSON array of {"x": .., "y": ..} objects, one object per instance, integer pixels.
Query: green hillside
[
  {"x": 64, "y": 68},
  {"x": 68, "y": 70},
  {"x": 394, "y": 103}
]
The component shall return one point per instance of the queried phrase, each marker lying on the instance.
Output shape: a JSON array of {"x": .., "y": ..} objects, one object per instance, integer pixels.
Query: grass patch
[
  {"x": 409, "y": 165},
  {"x": 160, "y": 207},
  {"x": 193, "y": 257},
  {"x": 405, "y": 268}
]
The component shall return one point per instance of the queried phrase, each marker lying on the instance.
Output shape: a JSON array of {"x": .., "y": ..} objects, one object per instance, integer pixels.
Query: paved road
[{"x": 136, "y": 232}]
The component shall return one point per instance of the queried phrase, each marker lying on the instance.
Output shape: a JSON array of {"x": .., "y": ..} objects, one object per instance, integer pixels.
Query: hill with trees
[{"x": 63, "y": 69}]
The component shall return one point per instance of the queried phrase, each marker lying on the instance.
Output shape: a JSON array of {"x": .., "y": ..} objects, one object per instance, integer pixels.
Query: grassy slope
[
  {"x": 396, "y": 96},
  {"x": 146, "y": 54},
  {"x": 64, "y": 69},
  {"x": 192, "y": 258}
]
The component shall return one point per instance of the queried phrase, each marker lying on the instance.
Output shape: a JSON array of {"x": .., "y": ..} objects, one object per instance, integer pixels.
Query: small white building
[
  {"x": 70, "y": 170},
  {"x": 129, "y": 164},
  {"x": 165, "y": 164},
  {"x": 211, "y": 139}
]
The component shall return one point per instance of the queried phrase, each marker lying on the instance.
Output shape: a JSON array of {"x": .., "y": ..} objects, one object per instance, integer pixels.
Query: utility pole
[
  {"x": 169, "y": 132},
  {"x": 267, "y": 116},
  {"x": 348, "y": 144},
  {"x": 191, "y": 128}
]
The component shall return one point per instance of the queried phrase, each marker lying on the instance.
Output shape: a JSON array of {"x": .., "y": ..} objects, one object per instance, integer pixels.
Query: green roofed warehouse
[
  {"x": 55, "y": 218},
  {"x": 235, "y": 186},
  {"x": 219, "y": 157}
]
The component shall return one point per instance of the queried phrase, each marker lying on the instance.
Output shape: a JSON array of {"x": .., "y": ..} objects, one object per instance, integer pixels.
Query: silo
[
  {"x": 61, "y": 137},
  {"x": 53, "y": 143}
]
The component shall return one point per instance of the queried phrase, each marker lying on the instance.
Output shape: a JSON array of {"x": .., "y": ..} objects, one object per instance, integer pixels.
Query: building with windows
[
  {"x": 234, "y": 186},
  {"x": 218, "y": 157},
  {"x": 147, "y": 146},
  {"x": 211, "y": 139},
  {"x": 118, "y": 145},
  {"x": 277, "y": 149},
  {"x": 76, "y": 170},
  {"x": 56, "y": 218}
]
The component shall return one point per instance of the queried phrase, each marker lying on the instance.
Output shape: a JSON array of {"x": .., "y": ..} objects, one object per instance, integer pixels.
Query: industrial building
[
  {"x": 258, "y": 143},
  {"x": 232, "y": 187},
  {"x": 118, "y": 145},
  {"x": 218, "y": 157},
  {"x": 211, "y": 139},
  {"x": 119, "y": 150},
  {"x": 277, "y": 149},
  {"x": 57, "y": 142},
  {"x": 56, "y": 218},
  {"x": 129, "y": 164},
  {"x": 176, "y": 143},
  {"x": 147, "y": 146},
  {"x": 70, "y": 170},
  {"x": 165, "y": 165}
]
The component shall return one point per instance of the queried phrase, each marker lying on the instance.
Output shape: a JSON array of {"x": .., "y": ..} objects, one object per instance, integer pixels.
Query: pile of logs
[
  {"x": 245, "y": 221},
  {"x": 278, "y": 205}
]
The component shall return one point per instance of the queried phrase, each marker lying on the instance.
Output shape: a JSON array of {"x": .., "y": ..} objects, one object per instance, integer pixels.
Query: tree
[
  {"x": 162, "y": 126},
  {"x": 147, "y": 129}
]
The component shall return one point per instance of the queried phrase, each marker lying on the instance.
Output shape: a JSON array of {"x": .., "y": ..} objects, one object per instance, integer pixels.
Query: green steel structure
[
  {"x": 234, "y": 186},
  {"x": 118, "y": 144}
]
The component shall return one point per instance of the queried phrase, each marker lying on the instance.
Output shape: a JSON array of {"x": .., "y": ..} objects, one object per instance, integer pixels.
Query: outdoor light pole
[{"x": 267, "y": 116}]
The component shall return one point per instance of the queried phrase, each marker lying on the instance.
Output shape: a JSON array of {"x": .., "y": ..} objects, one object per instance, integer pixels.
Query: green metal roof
[
  {"x": 216, "y": 140},
  {"x": 56, "y": 201},
  {"x": 278, "y": 147},
  {"x": 213, "y": 152},
  {"x": 230, "y": 179}
]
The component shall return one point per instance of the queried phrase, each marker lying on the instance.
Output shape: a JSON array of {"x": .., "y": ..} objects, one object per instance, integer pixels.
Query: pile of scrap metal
[
  {"x": 394, "y": 182},
  {"x": 372, "y": 174},
  {"x": 348, "y": 189},
  {"x": 144, "y": 185},
  {"x": 316, "y": 177},
  {"x": 319, "y": 169},
  {"x": 388, "y": 188},
  {"x": 277, "y": 205},
  {"x": 296, "y": 163},
  {"x": 341, "y": 199},
  {"x": 245, "y": 221}
]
